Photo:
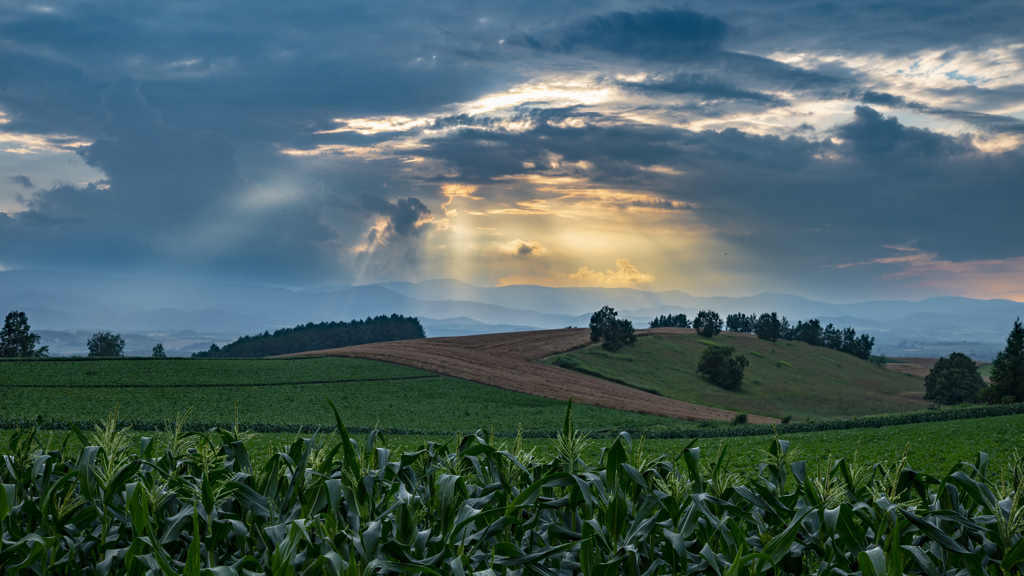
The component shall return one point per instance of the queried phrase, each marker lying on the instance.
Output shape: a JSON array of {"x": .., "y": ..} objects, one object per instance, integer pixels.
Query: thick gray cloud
[
  {"x": 168, "y": 205},
  {"x": 871, "y": 136},
  {"x": 660, "y": 34},
  {"x": 23, "y": 181},
  {"x": 801, "y": 131},
  {"x": 403, "y": 215}
]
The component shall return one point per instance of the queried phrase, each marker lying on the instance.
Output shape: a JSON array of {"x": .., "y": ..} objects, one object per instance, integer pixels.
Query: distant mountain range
[{"x": 190, "y": 315}]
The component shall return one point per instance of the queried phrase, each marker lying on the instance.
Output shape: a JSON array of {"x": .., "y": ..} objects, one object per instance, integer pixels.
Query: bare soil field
[
  {"x": 918, "y": 366},
  {"x": 509, "y": 361}
]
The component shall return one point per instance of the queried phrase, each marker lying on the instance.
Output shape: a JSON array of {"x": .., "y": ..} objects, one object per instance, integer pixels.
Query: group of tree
[
  {"x": 17, "y": 339},
  {"x": 721, "y": 368},
  {"x": 955, "y": 379},
  {"x": 613, "y": 332},
  {"x": 304, "y": 338},
  {"x": 670, "y": 321},
  {"x": 708, "y": 323},
  {"x": 769, "y": 326}
]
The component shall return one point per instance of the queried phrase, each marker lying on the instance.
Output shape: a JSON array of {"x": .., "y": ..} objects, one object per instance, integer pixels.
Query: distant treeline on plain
[{"x": 322, "y": 336}]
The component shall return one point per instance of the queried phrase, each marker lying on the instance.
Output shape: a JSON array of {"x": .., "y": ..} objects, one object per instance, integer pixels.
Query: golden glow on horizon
[
  {"x": 975, "y": 278},
  {"x": 624, "y": 276}
]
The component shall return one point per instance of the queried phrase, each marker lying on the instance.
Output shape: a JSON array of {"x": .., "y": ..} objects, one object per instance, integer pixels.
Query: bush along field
[{"x": 194, "y": 504}]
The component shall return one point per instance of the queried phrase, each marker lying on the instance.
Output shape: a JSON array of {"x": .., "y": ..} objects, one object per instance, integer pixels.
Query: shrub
[
  {"x": 739, "y": 419},
  {"x": 569, "y": 362},
  {"x": 721, "y": 368}
]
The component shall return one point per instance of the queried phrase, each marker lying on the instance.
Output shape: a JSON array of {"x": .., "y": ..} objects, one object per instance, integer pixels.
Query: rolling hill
[{"x": 784, "y": 378}]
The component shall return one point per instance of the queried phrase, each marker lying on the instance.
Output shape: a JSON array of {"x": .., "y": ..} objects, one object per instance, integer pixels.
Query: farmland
[
  {"x": 783, "y": 378},
  {"x": 509, "y": 361},
  {"x": 184, "y": 503},
  {"x": 425, "y": 499},
  {"x": 283, "y": 391}
]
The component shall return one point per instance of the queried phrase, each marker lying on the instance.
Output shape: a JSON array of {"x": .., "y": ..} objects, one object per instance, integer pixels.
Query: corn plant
[{"x": 193, "y": 503}]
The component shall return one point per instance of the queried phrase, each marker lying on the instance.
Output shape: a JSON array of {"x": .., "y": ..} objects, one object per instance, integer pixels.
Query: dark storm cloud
[
  {"x": 873, "y": 136},
  {"x": 792, "y": 201},
  {"x": 990, "y": 122},
  {"x": 890, "y": 28},
  {"x": 403, "y": 215},
  {"x": 616, "y": 152},
  {"x": 659, "y": 34},
  {"x": 165, "y": 189},
  {"x": 187, "y": 148},
  {"x": 23, "y": 181}
]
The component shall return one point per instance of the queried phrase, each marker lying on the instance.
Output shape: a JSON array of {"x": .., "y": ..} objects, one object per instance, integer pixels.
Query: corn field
[{"x": 190, "y": 503}]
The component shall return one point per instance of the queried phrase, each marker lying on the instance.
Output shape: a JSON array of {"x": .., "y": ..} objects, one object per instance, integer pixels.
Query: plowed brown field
[
  {"x": 918, "y": 366},
  {"x": 509, "y": 361}
]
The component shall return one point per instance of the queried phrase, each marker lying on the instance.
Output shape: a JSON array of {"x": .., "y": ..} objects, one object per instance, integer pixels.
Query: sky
[{"x": 839, "y": 151}]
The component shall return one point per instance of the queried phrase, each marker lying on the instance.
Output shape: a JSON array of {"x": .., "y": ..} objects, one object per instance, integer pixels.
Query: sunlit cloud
[
  {"x": 625, "y": 274},
  {"x": 21, "y": 143},
  {"x": 522, "y": 248},
  {"x": 453, "y": 191},
  {"x": 975, "y": 278},
  {"x": 949, "y": 79},
  {"x": 378, "y": 124}
]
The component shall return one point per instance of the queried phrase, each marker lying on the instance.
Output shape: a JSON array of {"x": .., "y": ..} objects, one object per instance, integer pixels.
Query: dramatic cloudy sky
[{"x": 842, "y": 151}]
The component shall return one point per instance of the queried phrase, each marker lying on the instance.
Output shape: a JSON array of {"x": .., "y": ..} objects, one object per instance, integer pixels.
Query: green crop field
[
  {"x": 283, "y": 391},
  {"x": 188, "y": 372},
  {"x": 896, "y": 499},
  {"x": 783, "y": 378},
  {"x": 985, "y": 370},
  {"x": 195, "y": 505}
]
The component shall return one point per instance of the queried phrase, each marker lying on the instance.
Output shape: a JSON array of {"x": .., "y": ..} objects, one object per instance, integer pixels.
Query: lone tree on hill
[
  {"x": 719, "y": 366},
  {"x": 158, "y": 351},
  {"x": 953, "y": 380},
  {"x": 17, "y": 339},
  {"x": 604, "y": 325},
  {"x": 708, "y": 323},
  {"x": 1007, "y": 374},
  {"x": 106, "y": 344}
]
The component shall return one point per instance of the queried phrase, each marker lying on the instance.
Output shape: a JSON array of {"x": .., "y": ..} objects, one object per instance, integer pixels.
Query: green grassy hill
[
  {"x": 986, "y": 371},
  {"x": 784, "y": 378}
]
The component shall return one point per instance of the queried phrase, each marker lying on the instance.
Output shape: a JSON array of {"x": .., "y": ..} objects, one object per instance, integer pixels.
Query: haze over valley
[{"x": 187, "y": 316}]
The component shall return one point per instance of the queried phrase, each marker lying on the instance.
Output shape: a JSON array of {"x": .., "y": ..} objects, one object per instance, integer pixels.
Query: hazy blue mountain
[{"x": 150, "y": 308}]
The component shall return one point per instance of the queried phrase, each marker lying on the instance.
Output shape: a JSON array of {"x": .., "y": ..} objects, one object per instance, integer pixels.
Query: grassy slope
[
  {"x": 157, "y": 390},
  {"x": 784, "y": 378},
  {"x": 986, "y": 371}
]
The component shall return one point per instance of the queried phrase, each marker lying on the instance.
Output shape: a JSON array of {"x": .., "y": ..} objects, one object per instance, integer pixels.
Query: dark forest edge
[{"x": 322, "y": 336}]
